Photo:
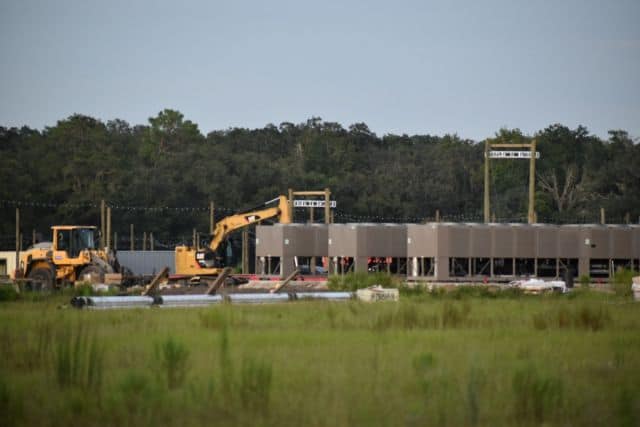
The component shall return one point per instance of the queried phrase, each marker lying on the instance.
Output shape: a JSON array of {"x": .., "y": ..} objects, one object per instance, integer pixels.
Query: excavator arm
[{"x": 235, "y": 222}]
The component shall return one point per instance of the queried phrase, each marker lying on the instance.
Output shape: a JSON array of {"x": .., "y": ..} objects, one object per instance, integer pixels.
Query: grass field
[{"x": 432, "y": 359}]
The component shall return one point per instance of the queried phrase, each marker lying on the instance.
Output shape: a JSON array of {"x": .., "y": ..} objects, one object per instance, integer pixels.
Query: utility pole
[
  {"x": 531, "y": 217},
  {"x": 17, "y": 240},
  {"x": 290, "y": 203},
  {"x": 327, "y": 206},
  {"x": 108, "y": 232},
  {"x": 245, "y": 251},
  {"x": 102, "y": 224},
  {"x": 487, "y": 192}
]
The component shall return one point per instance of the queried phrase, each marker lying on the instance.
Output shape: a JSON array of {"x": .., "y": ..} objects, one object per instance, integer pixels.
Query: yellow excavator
[
  {"x": 71, "y": 256},
  {"x": 208, "y": 261}
]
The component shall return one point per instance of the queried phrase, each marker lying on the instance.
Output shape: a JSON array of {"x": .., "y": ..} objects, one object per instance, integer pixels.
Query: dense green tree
[{"x": 161, "y": 175}]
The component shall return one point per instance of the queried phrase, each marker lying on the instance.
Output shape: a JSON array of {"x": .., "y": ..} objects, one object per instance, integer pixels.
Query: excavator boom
[{"x": 235, "y": 222}]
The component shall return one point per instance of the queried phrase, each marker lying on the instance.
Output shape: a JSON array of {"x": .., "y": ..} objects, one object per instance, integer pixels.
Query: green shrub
[{"x": 174, "y": 356}]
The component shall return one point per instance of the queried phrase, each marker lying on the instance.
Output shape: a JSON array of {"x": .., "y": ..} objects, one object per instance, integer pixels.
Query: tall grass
[
  {"x": 588, "y": 317},
  {"x": 536, "y": 397},
  {"x": 174, "y": 358},
  {"x": 426, "y": 360},
  {"x": 78, "y": 358}
]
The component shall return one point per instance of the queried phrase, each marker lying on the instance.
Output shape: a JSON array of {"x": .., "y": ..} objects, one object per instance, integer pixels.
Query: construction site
[{"x": 430, "y": 252}]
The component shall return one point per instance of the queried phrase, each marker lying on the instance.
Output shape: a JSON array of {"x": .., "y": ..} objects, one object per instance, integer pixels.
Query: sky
[{"x": 417, "y": 67}]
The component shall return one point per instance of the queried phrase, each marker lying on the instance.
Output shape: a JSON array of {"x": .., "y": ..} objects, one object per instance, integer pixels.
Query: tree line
[{"x": 60, "y": 174}]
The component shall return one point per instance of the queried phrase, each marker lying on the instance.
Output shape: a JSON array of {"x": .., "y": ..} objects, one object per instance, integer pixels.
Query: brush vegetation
[{"x": 435, "y": 358}]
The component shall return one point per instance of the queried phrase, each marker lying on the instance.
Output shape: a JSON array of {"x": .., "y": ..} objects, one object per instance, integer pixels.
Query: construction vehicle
[
  {"x": 210, "y": 260},
  {"x": 71, "y": 256}
]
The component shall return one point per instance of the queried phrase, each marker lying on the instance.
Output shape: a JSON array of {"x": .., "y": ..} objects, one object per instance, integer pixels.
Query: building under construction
[{"x": 450, "y": 251}]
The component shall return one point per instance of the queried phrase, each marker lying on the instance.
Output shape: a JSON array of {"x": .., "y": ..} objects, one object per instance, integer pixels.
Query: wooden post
[
  {"x": 245, "y": 251},
  {"x": 437, "y": 215},
  {"x": 153, "y": 286},
  {"x": 213, "y": 288},
  {"x": 285, "y": 281},
  {"x": 487, "y": 201},
  {"x": 290, "y": 203},
  {"x": 327, "y": 206},
  {"x": 212, "y": 223},
  {"x": 144, "y": 241},
  {"x": 115, "y": 241},
  {"x": 132, "y": 237},
  {"x": 102, "y": 223},
  {"x": 17, "y": 241},
  {"x": 603, "y": 219},
  {"x": 108, "y": 232},
  {"x": 151, "y": 244},
  {"x": 532, "y": 184},
  {"x": 33, "y": 236}
]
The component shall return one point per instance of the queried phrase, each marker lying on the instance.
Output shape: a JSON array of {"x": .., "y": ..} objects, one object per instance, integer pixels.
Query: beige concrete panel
[
  {"x": 381, "y": 240},
  {"x": 598, "y": 236},
  {"x": 546, "y": 241},
  {"x": 342, "y": 240},
  {"x": 502, "y": 241},
  {"x": 321, "y": 247},
  {"x": 269, "y": 240},
  {"x": 480, "y": 246},
  {"x": 525, "y": 242},
  {"x": 570, "y": 241},
  {"x": 458, "y": 237},
  {"x": 621, "y": 242},
  {"x": 422, "y": 240}
]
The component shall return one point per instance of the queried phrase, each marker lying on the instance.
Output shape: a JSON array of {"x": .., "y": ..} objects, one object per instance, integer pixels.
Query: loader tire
[
  {"x": 41, "y": 279},
  {"x": 95, "y": 271}
]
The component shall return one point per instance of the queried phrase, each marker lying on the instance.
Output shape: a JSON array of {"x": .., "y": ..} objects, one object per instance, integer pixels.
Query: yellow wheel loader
[
  {"x": 209, "y": 261},
  {"x": 70, "y": 257}
]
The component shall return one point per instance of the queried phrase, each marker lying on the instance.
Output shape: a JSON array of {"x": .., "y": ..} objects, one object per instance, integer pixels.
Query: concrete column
[{"x": 441, "y": 268}]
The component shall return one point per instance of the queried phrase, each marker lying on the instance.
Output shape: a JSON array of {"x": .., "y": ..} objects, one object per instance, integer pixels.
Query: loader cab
[{"x": 72, "y": 240}]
